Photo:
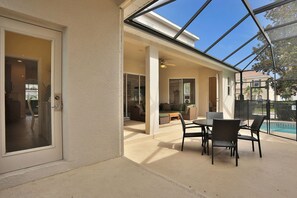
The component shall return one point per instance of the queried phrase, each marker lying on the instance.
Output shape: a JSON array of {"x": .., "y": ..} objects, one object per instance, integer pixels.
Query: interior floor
[{"x": 20, "y": 136}]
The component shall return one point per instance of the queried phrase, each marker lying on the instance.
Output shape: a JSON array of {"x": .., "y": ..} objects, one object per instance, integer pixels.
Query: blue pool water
[{"x": 284, "y": 127}]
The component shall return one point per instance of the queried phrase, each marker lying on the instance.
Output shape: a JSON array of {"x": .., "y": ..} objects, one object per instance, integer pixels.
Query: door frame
[{"x": 31, "y": 157}]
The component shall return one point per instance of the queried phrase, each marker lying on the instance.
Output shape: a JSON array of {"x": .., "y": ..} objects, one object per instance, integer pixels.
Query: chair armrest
[
  {"x": 245, "y": 127},
  {"x": 190, "y": 125}
]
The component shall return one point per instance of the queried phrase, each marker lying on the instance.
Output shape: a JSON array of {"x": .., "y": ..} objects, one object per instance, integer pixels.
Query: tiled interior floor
[{"x": 20, "y": 136}]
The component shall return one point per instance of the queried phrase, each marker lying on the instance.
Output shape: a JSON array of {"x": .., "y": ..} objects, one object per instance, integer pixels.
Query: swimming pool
[{"x": 284, "y": 127}]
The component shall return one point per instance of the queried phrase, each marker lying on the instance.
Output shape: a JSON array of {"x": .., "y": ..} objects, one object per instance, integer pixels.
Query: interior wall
[
  {"x": 18, "y": 88},
  {"x": 91, "y": 75}
]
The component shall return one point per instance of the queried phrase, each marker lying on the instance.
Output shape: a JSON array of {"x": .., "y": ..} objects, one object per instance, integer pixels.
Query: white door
[{"x": 30, "y": 95}]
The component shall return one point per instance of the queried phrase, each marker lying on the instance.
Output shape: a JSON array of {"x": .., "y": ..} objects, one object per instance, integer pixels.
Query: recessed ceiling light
[{"x": 19, "y": 61}]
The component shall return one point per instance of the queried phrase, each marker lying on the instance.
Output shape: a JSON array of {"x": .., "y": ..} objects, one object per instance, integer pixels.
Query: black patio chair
[
  {"x": 211, "y": 116},
  {"x": 255, "y": 130},
  {"x": 192, "y": 133},
  {"x": 224, "y": 134}
]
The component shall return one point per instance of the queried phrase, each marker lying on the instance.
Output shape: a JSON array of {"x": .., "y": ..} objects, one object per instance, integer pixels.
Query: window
[
  {"x": 256, "y": 83},
  {"x": 182, "y": 91},
  {"x": 31, "y": 91}
]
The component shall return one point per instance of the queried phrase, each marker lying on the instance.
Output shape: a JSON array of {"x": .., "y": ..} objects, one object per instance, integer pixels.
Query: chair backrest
[
  {"x": 214, "y": 115},
  {"x": 30, "y": 107},
  {"x": 225, "y": 129},
  {"x": 257, "y": 123},
  {"x": 182, "y": 122}
]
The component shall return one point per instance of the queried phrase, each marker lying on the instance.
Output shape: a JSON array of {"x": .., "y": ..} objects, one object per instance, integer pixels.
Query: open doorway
[{"x": 212, "y": 94}]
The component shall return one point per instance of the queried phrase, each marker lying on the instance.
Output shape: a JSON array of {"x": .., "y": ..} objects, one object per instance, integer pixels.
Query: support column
[{"x": 152, "y": 90}]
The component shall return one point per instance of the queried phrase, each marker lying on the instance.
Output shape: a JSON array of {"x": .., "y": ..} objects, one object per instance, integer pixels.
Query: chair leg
[
  {"x": 202, "y": 141},
  {"x": 259, "y": 148},
  {"x": 182, "y": 147},
  {"x": 32, "y": 122},
  {"x": 236, "y": 156},
  {"x": 212, "y": 154},
  {"x": 207, "y": 146},
  {"x": 253, "y": 145}
]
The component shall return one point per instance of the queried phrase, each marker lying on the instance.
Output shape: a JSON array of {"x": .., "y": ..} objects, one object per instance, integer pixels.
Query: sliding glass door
[{"x": 134, "y": 92}]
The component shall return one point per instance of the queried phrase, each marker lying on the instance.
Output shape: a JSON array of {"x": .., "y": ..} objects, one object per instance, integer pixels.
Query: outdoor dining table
[{"x": 209, "y": 123}]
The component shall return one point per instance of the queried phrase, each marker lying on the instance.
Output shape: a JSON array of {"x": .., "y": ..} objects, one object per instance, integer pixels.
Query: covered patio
[
  {"x": 105, "y": 155},
  {"x": 154, "y": 166},
  {"x": 242, "y": 37}
]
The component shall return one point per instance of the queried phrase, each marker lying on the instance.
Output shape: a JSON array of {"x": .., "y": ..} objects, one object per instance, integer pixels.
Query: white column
[{"x": 152, "y": 90}]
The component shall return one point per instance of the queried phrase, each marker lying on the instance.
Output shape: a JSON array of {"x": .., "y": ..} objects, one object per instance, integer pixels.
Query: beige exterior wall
[
  {"x": 203, "y": 84},
  {"x": 92, "y": 80},
  {"x": 134, "y": 66},
  {"x": 227, "y": 101}
]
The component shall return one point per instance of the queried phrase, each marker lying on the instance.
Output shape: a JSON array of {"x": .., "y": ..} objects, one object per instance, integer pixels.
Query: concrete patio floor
[
  {"x": 154, "y": 166},
  {"x": 274, "y": 175}
]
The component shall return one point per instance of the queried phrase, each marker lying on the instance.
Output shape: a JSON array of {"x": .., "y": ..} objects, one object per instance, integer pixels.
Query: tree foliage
[{"x": 284, "y": 40}]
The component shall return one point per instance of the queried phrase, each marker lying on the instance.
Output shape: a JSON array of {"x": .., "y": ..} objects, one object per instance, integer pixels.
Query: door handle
[{"x": 58, "y": 105}]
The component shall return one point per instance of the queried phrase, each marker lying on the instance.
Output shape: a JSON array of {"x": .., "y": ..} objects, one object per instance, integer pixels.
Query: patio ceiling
[
  {"x": 239, "y": 34},
  {"x": 136, "y": 50}
]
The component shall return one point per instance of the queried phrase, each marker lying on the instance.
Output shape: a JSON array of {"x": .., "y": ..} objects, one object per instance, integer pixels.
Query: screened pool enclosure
[{"x": 245, "y": 35}]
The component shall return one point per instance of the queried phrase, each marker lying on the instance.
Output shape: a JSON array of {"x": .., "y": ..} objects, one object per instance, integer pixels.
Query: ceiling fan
[{"x": 164, "y": 64}]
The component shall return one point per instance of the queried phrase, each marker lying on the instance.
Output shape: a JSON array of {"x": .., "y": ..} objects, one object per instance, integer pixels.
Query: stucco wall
[
  {"x": 227, "y": 101},
  {"x": 204, "y": 90},
  {"x": 134, "y": 66},
  {"x": 92, "y": 76}
]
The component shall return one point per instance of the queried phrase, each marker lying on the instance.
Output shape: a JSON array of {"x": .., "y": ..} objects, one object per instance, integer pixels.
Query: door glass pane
[
  {"x": 125, "y": 96},
  {"x": 182, "y": 91},
  {"x": 27, "y": 92},
  {"x": 176, "y": 91},
  {"x": 189, "y": 91},
  {"x": 132, "y": 91},
  {"x": 142, "y": 90}
]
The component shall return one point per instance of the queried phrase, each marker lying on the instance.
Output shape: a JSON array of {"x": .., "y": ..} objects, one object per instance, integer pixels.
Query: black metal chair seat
[
  {"x": 224, "y": 134},
  {"x": 223, "y": 144},
  {"x": 198, "y": 134},
  {"x": 247, "y": 137}
]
